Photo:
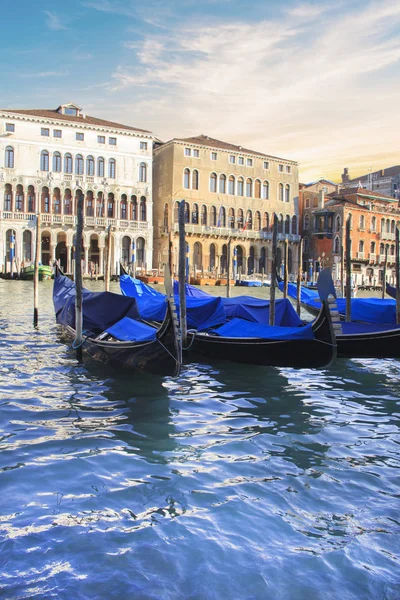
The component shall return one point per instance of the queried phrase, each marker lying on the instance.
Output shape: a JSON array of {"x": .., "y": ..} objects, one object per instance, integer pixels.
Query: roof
[
  {"x": 205, "y": 140},
  {"x": 360, "y": 191},
  {"x": 49, "y": 113},
  {"x": 322, "y": 179},
  {"x": 389, "y": 172}
]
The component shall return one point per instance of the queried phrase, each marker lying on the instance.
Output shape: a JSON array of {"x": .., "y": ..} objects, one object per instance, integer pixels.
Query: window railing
[
  {"x": 360, "y": 255},
  {"x": 372, "y": 256}
]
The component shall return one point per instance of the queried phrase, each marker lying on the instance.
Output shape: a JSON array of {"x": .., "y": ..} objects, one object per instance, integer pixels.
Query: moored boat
[
  {"x": 114, "y": 333},
  {"x": 45, "y": 272}
]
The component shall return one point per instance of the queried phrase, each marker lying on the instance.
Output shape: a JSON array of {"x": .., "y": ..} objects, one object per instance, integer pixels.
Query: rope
[
  {"x": 166, "y": 350},
  {"x": 75, "y": 346},
  {"x": 193, "y": 331}
]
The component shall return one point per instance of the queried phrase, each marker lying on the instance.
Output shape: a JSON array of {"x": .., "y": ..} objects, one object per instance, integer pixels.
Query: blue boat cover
[
  {"x": 100, "y": 309},
  {"x": 367, "y": 310},
  {"x": 257, "y": 310},
  {"x": 239, "y": 328},
  {"x": 202, "y": 311},
  {"x": 128, "y": 330},
  {"x": 191, "y": 290},
  {"x": 391, "y": 290},
  {"x": 367, "y": 327}
]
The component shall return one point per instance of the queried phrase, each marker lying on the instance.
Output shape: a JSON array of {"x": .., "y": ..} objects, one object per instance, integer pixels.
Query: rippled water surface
[{"x": 228, "y": 482}]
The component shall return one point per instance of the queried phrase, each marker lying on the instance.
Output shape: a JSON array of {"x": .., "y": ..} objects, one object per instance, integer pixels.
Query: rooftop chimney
[
  {"x": 345, "y": 175},
  {"x": 321, "y": 199}
]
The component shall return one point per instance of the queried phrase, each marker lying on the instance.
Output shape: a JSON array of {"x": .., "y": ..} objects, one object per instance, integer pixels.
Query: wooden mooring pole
[
  {"x": 108, "y": 261},
  {"x": 273, "y": 271},
  {"x": 299, "y": 272},
  {"x": 397, "y": 276},
  {"x": 348, "y": 270},
  {"x": 78, "y": 280},
  {"x": 182, "y": 272},
  {"x": 384, "y": 273},
  {"x": 228, "y": 270},
  {"x": 36, "y": 273},
  {"x": 286, "y": 269}
]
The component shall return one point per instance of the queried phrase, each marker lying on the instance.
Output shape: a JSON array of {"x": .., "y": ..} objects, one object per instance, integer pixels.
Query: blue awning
[{"x": 240, "y": 328}]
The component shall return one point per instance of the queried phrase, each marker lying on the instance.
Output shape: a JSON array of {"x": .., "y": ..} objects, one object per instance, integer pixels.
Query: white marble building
[{"x": 49, "y": 157}]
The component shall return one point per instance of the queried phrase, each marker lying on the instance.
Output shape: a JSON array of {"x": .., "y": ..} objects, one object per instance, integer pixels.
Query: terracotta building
[
  {"x": 384, "y": 181},
  {"x": 231, "y": 193},
  {"x": 373, "y": 223}
]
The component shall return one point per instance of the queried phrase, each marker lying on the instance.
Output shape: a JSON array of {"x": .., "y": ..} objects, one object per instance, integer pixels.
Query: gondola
[
  {"x": 242, "y": 340},
  {"x": 360, "y": 338},
  {"x": 113, "y": 332},
  {"x": 363, "y": 310}
]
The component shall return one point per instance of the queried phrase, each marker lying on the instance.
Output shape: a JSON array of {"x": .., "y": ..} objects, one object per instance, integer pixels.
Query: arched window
[
  {"x": 9, "y": 157},
  {"x": 222, "y": 184},
  {"x": 90, "y": 204},
  {"x": 393, "y": 227},
  {"x": 266, "y": 221},
  {"x": 280, "y": 223},
  {"x": 195, "y": 214},
  {"x": 362, "y": 222},
  {"x": 249, "y": 220},
  {"x": 337, "y": 223},
  {"x": 134, "y": 206},
  {"x": 44, "y": 160},
  {"x": 142, "y": 172},
  {"x": 294, "y": 225},
  {"x": 176, "y": 212},
  {"x": 373, "y": 224},
  {"x": 90, "y": 166},
  {"x": 280, "y": 192},
  {"x": 231, "y": 218},
  {"x": 140, "y": 246},
  {"x": 187, "y": 213},
  {"x": 67, "y": 163},
  {"x": 361, "y": 246},
  {"x": 381, "y": 249},
  {"x": 100, "y": 167},
  {"x": 212, "y": 257},
  {"x": 373, "y": 246},
  {"x": 306, "y": 245},
  {"x": 257, "y": 220},
  {"x": 204, "y": 215},
  {"x": 124, "y": 207},
  {"x": 249, "y": 188},
  {"x": 213, "y": 182},
  {"x": 111, "y": 168},
  {"x": 195, "y": 179},
  {"x": 257, "y": 188},
  {"x": 213, "y": 216},
  {"x": 8, "y": 197},
  {"x": 265, "y": 190},
  {"x": 231, "y": 185},
  {"x": 306, "y": 221},
  {"x": 57, "y": 201},
  {"x": 143, "y": 208},
  {"x": 336, "y": 245},
  {"x": 186, "y": 179},
  {"x": 382, "y": 225},
  {"x": 240, "y": 218},
  {"x": 31, "y": 199},
  {"x": 221, "y": 217},
  {"x": 110, "y": 206},
  {"x": 57, "y": 162},
  {"x": 27, "y": 246},
  {"x": 287, "y": 193},
  {"x": 240, "y": 186},
  {"x": 19, "y": 199},
  {"x": 79, "y": 164},
  {"x": 287, "y": 224}
]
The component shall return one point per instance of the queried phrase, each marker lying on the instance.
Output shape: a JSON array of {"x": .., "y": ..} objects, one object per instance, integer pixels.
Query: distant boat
[
  {"x": 45, "y": 272},
  {"x": 249, "y": 282}
]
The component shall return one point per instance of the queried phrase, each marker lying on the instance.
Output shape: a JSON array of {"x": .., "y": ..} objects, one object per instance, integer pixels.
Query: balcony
[
  {"x": 360, "y": 255},
  {"x": 372, "y": 257},
  {"x": 49, "y": 219},
  {"x": 229, "y": 232}
]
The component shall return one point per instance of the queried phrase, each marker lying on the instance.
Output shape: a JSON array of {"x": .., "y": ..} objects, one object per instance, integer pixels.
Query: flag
[{"x": 246, "y": 222}]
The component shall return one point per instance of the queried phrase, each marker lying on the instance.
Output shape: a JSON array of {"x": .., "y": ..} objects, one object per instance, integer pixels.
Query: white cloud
[
  {"x": 53, "y": 21},
  {"x": 43, "y": 74},
  {"x": 305, "y": 90}
]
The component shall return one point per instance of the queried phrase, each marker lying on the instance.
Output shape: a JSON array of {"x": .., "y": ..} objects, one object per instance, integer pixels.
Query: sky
[{"x": 315, "y": 82}]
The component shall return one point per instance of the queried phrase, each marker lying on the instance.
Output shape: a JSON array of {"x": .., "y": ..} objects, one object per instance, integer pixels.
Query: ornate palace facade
[
  {"x": 48, "y": 158},
  {"x": 231, "y": 193}
]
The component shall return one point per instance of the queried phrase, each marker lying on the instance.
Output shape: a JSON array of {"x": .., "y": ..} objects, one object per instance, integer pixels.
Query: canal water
[{"x": 229, "y": 482}]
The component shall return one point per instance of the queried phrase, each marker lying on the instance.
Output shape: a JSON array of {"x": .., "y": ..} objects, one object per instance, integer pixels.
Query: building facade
[
  {"x": 230, "y": 193},
  {"x": 373, "y": 217},
  {"x": 47, "y": 159},
  {"x": 384, "y": 181}
]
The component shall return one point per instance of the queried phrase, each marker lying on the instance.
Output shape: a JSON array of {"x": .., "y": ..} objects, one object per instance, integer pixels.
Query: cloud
[
  {"x": 43, "y": 74},
  {"x": 53, "y": 21},
  {"x": 296, "y": 85}
]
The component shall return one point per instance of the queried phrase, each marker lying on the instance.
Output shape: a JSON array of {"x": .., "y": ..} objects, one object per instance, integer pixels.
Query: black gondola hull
[
  {"x": 316, "y": 353},
  {"x": 380, "y": 344}
]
